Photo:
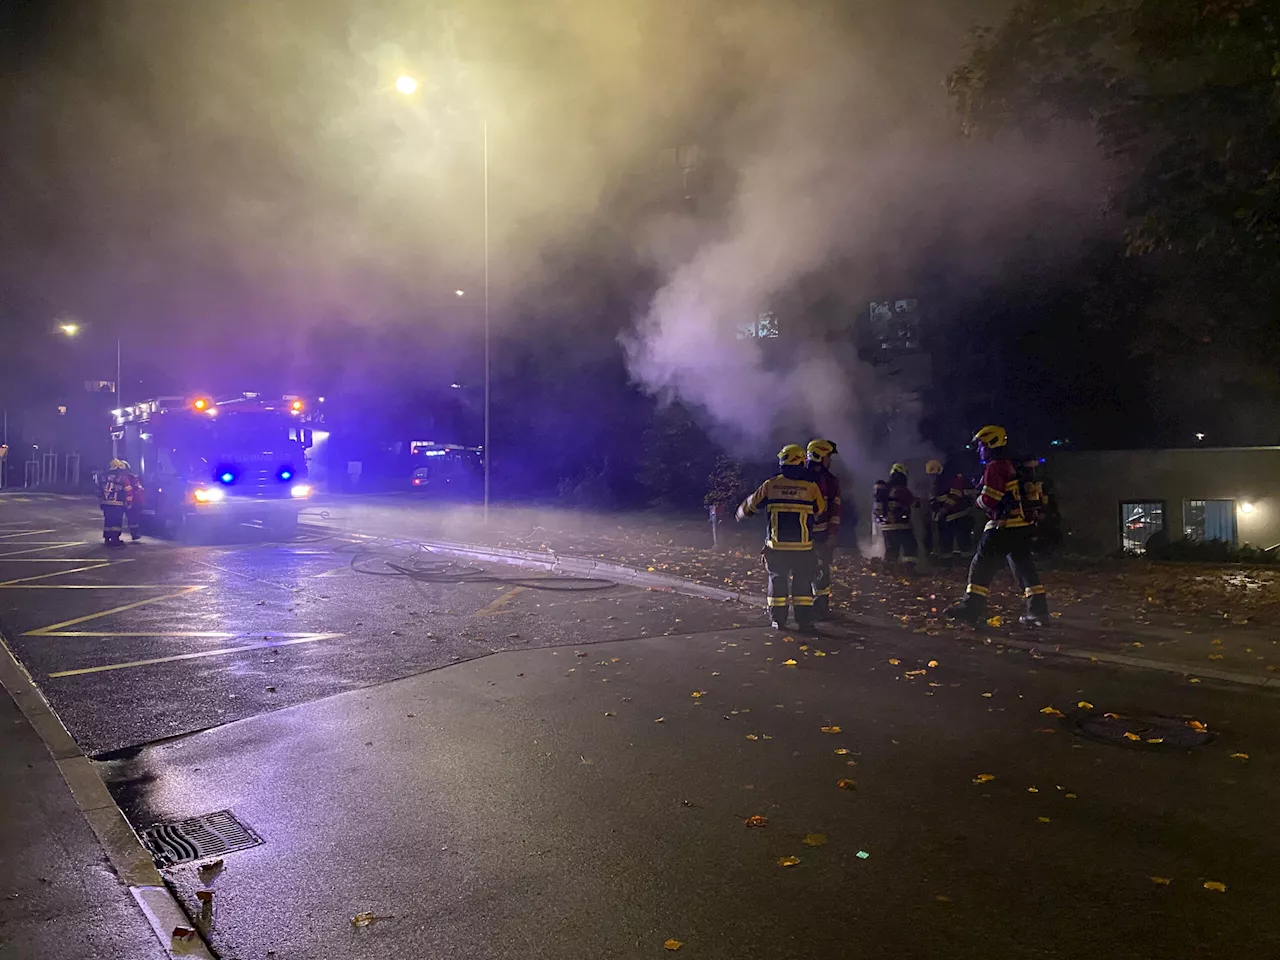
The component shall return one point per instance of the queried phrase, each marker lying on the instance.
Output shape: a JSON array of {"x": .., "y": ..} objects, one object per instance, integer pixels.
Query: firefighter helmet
[
  {"x": 792, "y": 455},
  {"x": 899, "y": 468},
  {"x": 933, "y": 467},
  {"x": 992, "y": 436},
  {"x": 820, "y": 449},
  {"x": 119, "y": 465}
]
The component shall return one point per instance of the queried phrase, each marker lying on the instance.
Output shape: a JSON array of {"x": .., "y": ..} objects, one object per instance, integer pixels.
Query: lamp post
[
  {"x": 71, "y": 329},
  {"x": 407, "y": 86}
]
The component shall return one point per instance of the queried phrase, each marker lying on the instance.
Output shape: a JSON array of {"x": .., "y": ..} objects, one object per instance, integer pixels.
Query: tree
[{"x": 1183, "y": 97}]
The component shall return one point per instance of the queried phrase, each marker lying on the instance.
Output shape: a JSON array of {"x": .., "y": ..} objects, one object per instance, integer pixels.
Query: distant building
[{"x": 1120, "y": 499}]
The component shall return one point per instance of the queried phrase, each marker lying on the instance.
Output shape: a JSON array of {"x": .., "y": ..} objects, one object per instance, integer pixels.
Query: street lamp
[
  {"x": 71, "y": 329},
  {"x": 407, "y": 86}
]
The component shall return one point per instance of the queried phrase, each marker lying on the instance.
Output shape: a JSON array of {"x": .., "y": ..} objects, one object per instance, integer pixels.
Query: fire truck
[{"x": 205, "y": 461}]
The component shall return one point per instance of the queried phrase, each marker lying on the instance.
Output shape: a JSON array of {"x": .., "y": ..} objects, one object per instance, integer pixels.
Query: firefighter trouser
[
  {"x": 900, "y": 543},
  {"x": 133, "y": 517},
  {"x": 791, "y": 575},
  {"x": 112, "y": 522},
  {"x": 824, "y": 556},
  {"x": 1013, "y": 546},
  {"x": 955, "y": 536}
]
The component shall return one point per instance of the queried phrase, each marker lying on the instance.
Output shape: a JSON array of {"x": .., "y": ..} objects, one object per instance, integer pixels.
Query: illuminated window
[
  {"x": 1139, "y": 522},
  {"x": 1210, "y": 520}
]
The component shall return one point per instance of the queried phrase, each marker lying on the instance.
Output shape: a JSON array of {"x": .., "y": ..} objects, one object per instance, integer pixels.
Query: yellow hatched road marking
[
  {"x": 28, "y": 533},
  {"x": 502, "y": 601},
  {"x": 55, "y": 546},
  {"x": 66, "y": 586},
  {"x": 49, "y": 630},
  {"x": 304, "y": 638}
]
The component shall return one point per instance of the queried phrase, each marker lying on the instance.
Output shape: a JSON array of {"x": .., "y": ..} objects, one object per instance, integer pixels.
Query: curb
[
  {"x": 130, "y": 860},
  {"x": 634, "y": 576}
]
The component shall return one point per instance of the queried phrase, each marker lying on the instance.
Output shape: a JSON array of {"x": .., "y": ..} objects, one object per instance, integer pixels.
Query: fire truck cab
[{"x": 205, "y": 461}]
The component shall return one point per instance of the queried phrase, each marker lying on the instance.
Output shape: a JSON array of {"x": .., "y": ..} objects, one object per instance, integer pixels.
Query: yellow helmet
[
  {"x": 992, "y": 436},
  {"x": 118, "y": 465},
  {"x": 792, "y": 455},
  {"x": 899, "y": 468},
  {"x": 820, "y": 449},
  {"x": 933, "y": 467}
]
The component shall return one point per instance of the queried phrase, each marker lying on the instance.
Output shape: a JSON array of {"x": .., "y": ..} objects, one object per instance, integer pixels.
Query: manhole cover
[
  {"x": 209, "y": 836},
  {"x": 1128, "y": 731}
]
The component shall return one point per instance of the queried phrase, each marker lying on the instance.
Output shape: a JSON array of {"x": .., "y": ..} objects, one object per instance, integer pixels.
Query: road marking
[
  {"x": 49, "y": 630},
  {"x": 56, "y": 546},
  {"x": 62, "y": 573},
  {"x": 502, "y": 601},
  {"x": 176, "y": 634},
  {"x": 28, "y": 533},
  {"x": 294, "y": 639}
]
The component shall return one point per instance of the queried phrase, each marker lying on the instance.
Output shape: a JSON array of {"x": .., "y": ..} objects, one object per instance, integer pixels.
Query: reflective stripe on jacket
[{"x": 793, "y": 507}]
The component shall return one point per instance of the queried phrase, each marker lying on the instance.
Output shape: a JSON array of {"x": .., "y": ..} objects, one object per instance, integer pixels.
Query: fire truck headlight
[
  {"x": 300, "y": 490},
  {"x": 209, "y": 495}
]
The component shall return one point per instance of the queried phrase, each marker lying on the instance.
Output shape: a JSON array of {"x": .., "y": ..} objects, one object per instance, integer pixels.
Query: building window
[
  {"x": 1210, "y": 520},
  {"x": 1139, "y": 522}
]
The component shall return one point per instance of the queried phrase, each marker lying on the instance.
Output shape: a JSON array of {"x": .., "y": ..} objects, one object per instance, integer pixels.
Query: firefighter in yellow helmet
[
  {"x": 950, "y": 510},
  {"x": 793, "y": 503},
  {"x": 892, "y": 514},
  {"x": 116, "y": 497},
  {"x": 1011, "y": 503},
  {"x": 826, "y": 532}
]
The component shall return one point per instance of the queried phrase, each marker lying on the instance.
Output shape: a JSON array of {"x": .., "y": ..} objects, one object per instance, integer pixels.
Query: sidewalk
[
  {"x": 1206, "y": 619},
  {"x": 59, "y": 898}
]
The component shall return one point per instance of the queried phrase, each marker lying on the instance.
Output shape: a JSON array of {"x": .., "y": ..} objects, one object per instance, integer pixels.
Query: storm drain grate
[
  {"x": 208, "y": 836},
  {"x": 1127, "y": 731}
]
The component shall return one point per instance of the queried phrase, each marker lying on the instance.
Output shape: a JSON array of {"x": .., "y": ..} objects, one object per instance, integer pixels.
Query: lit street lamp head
[
  {"x": 69, "y": 329},
  {"x": 459, "y": 293},
  {"x": 406, "y": 85}
]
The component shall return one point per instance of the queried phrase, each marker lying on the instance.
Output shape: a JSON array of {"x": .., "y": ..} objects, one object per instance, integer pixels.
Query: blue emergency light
[
  {"x": 227, "y": 477},
  {"x": 286, "y": 473}
]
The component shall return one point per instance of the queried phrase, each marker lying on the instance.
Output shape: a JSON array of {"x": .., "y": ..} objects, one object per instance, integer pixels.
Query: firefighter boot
[
  {"x": 972, "y": 609},
  {"x": 1037, "y": 614}
]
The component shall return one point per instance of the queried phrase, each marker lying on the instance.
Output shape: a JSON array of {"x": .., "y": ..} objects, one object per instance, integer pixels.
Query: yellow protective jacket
[{"x": 793, "y": 504}]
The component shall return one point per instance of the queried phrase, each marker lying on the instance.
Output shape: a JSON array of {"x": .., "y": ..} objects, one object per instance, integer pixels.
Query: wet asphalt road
[
  {"x": 178, "y": 638},
  {"x": 580, "y": 801}
]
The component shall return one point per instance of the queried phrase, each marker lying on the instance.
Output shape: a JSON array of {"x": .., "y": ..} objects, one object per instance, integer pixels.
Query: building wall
[{"x": 1091, "y": 485}]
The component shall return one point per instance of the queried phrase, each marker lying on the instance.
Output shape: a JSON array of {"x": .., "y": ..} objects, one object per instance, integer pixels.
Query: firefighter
[
  {"x": 951, "y": 508},
  {"x": 133, "y": 516},
  {"x": 116, "y": 498},
  {"x": 934, "y": 470},
  {"x": 793, "y": 502},
  {"x": 1011, "y": 506},
  {"x": 892, "y": 512},
  {"x": 826, "y": 531}
]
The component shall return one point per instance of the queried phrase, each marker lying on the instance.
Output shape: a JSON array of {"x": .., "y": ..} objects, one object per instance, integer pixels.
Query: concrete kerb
[
  {"x": 634, "y": 576},
  {"x": 130, "y": 860}
]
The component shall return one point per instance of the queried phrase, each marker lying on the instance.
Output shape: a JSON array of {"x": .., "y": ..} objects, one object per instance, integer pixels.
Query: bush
[{"x": 1208, "y": 551}]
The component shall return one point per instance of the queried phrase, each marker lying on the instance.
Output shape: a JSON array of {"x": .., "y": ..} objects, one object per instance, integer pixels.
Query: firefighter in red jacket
[
  {"x": 793, "y": 503},
  {"x": 826, "y": 531},
  {"x": 892, "y": 514},
  {"x": 1010, "y": 507},
  {"x": 950, "y": 507},
  {"x": 116, "y": 498}
]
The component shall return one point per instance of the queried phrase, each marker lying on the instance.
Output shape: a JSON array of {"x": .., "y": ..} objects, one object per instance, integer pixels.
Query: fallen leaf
[
  {"x": 784, "y": 640},
  {"x": 756, "y": 821},
  {"x": 984, "y": 777},
  {"x": 1215, "y": 656},
  {"x": 1136, "y": 643},
  {"x": 752, "y": 736},
  {"x": 915, "y": 673},
  {"x": 1033, "y": 790},
  {"x": 183, "y": 933},
  {"x": 1239, "y": 756},
  {"x": 988, "y": 695},
  {"x": 788, "y": 663},
  {"x": 1043, "y": 819},
  {"x": 1070, "y": 796},
  {"x": 660, "y": 719},
  {"x": 862, "y": 855},
  {"x": 894, "y": 661},
  {"x": 1215, "y": 885},
  {"x": 1163, "y": 881},
  {"x": 1085, "y": 705},
  {"x": 804, "y": 646},
  {"x": 788, "y": 861},
  {"x": 1051, "y": 711},
  {"x": 210, "y": 870},
  {"x": 814, "y": 839},
  {"x": 942, "y": 898},
  {"x": 610, "y": 713},
  {"x": 698, "y": 693},
  {"x": 1131, "y": 736},
  {"x": 995, "y": 621},
  {"x": 1216, "y": 642},
  {"x": 841, "y": 751},
  {"x": 847, "y": 784},
  {"x": 1197, "y": 726},
  {"x": 933, "y": 663},
  {"x": 830, "y": 729},
  {"x": 673, "y": 944},
  {"x": 819, "y": 653},
  {"x": 1155, "y": 739},
  {"x": 363, "y": 919}
]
